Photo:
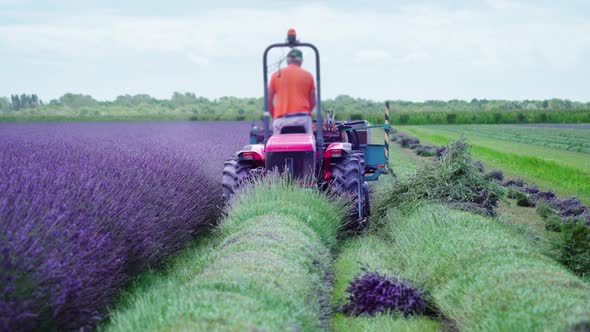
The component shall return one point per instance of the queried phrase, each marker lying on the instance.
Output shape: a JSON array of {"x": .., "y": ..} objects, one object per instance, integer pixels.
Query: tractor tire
[
  {"x": 345, "y": 175},
  {"x": 346, "y": 178},
  {"x": 365, "y": 192},
  {"x": 361, "y": 157},
  {"x": 234, "y": 174}
]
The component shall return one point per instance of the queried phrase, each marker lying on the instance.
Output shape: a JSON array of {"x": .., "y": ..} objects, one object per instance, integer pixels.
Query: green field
[
  {"x": 493, "y": 116},
  {"x": 279, "y": 261},
  {"x": 188, "y": 106},
  {"x": 555, "y": 168},
  {"x": 573, "y": 138},
  {"x": 264, "y": 269}
]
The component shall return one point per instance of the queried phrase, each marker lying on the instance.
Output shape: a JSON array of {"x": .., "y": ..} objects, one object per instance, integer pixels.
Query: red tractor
[{"x": 340, "y": 156}]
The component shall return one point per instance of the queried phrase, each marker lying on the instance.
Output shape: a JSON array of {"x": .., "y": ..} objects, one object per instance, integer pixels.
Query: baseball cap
[{"x": 295, "y": 53}]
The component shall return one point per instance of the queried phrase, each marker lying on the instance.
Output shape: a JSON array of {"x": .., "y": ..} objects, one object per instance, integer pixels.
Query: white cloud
[
  {"x": 416, "y": 57},
  {"x": 383, "y": 57},
  {"x": 372, "y": 56},
  {"x": 411, "y": 36},
  {"x": 197, "y": 59},
  {"x": 505, "y": 4}
]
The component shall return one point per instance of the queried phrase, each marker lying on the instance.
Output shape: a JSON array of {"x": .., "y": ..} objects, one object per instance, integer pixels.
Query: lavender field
[{"x": 86, "y": 206}]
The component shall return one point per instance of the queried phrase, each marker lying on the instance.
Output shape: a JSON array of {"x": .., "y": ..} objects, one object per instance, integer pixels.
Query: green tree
[
  {"x": 497, "y": 117},
  {"x": 77, "y": 101},
  {"x": 134, "y": 100},
  {"x": 451, "y": 118},
  {"x": 182, "y": 99},
  {"x": 4, "y": 104},
  {"x": 404, "y": 118},
  {"x": 15, "y": 102}
]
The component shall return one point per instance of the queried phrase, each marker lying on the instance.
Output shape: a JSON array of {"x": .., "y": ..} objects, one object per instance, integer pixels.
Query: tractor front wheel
[{"x": 235, "y": 172}]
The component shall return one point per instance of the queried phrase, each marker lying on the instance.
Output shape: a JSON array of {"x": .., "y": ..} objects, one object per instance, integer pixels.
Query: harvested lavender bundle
[{"x": 372, "y": 293}]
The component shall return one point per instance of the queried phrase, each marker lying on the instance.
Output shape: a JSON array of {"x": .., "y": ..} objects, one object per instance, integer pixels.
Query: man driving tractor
[
  {"x": 340, "y": 157},
  {"x": 291, "y": 96}
]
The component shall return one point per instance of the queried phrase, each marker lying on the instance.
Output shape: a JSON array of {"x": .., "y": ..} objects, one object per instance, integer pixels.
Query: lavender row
[
  {"x": 413, "y": 143},
  {"x": 569, "y": 209},
  {"x": 85, "y": 206}
]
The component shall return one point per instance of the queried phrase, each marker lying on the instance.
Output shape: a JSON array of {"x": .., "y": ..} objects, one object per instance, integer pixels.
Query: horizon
[
  {"x": 400, "y": 50},
  {"x": 46, "y": 101}
]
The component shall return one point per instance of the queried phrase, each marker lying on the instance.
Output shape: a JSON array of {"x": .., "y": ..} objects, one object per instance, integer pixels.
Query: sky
[{"x": 401, "y": 50}]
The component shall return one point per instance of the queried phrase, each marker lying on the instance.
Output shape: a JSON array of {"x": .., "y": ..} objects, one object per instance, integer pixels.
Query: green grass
[
  {"x": 402, "y": 164},
  {"x": 384, "y": 323},
  {"x": 566, "y": 177},
  {"x": 452, "y": 179},
  {"x": 264, "y": 269},
  {"x": 483, "y": 275},
  {"x": 565, "y": 158},
  {"x": 371, "y": 251},
  {"x": 569, "y": 139},
  {"x": 490, "y": 116}
]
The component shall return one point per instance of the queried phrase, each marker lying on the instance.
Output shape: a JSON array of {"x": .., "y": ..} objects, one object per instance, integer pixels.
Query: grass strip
[
  {"x": 402, "y": 164},
  {"x": 374, "y": 253},
  {"x": 266, "y": 268},
  {"x": 482, "y": 275},
  {"x": 568, "y": 139},
  {"x": 564, "y": 180}
]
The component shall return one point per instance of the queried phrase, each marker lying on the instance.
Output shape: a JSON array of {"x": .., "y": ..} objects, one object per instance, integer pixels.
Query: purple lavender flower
[
  {"x": 372, "y": 293},
  {"x": 496, "y": 175},
  {"x": 570, "y": 209},
  {"x": 84, "y": 206}
]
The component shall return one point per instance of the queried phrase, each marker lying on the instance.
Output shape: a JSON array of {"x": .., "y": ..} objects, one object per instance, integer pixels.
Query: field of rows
[
  {"x": 570, "y": 138},
  {"x": 552, "y": 157},
  {"x": 84, "y": 207},
  {"x": 119, "y": 227}
]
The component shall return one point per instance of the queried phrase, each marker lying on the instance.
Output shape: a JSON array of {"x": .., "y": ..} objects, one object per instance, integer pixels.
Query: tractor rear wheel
[
  {"x": 347, "y": 178},
  {"x": 361, "y": 157},
  {"x": 235, "y": 172},
  {"x": 345, "y": 175}
]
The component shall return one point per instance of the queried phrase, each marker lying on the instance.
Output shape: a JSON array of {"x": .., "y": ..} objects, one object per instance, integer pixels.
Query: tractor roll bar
[{"x": 293, "y": 42}]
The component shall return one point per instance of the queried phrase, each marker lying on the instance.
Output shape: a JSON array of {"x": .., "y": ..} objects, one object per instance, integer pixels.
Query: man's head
[{"x": 295, "y": 57}]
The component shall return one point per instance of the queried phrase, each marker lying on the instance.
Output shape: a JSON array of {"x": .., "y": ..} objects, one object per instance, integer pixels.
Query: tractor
[{"x": 339, "y": 156}]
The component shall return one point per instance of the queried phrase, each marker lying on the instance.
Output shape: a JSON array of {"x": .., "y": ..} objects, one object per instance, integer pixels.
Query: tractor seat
[{"x": 293, "y": 130}]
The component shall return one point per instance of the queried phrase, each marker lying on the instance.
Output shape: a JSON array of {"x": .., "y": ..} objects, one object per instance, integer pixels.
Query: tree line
[
  {"x": 18, "y": 102},
  {"x": 190, "y": 106}
]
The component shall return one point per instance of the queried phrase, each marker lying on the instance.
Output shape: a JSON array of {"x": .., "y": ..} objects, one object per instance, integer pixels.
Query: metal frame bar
[
  {"x": 386, "y": 126},
  {"x": 387, "y": 129},
  {"x": 319, "y": 122},
  {"x": 375, "y": 175}
]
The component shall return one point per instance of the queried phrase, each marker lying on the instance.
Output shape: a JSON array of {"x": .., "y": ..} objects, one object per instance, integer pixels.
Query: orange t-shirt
[{"x": 292, "y": 86}]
